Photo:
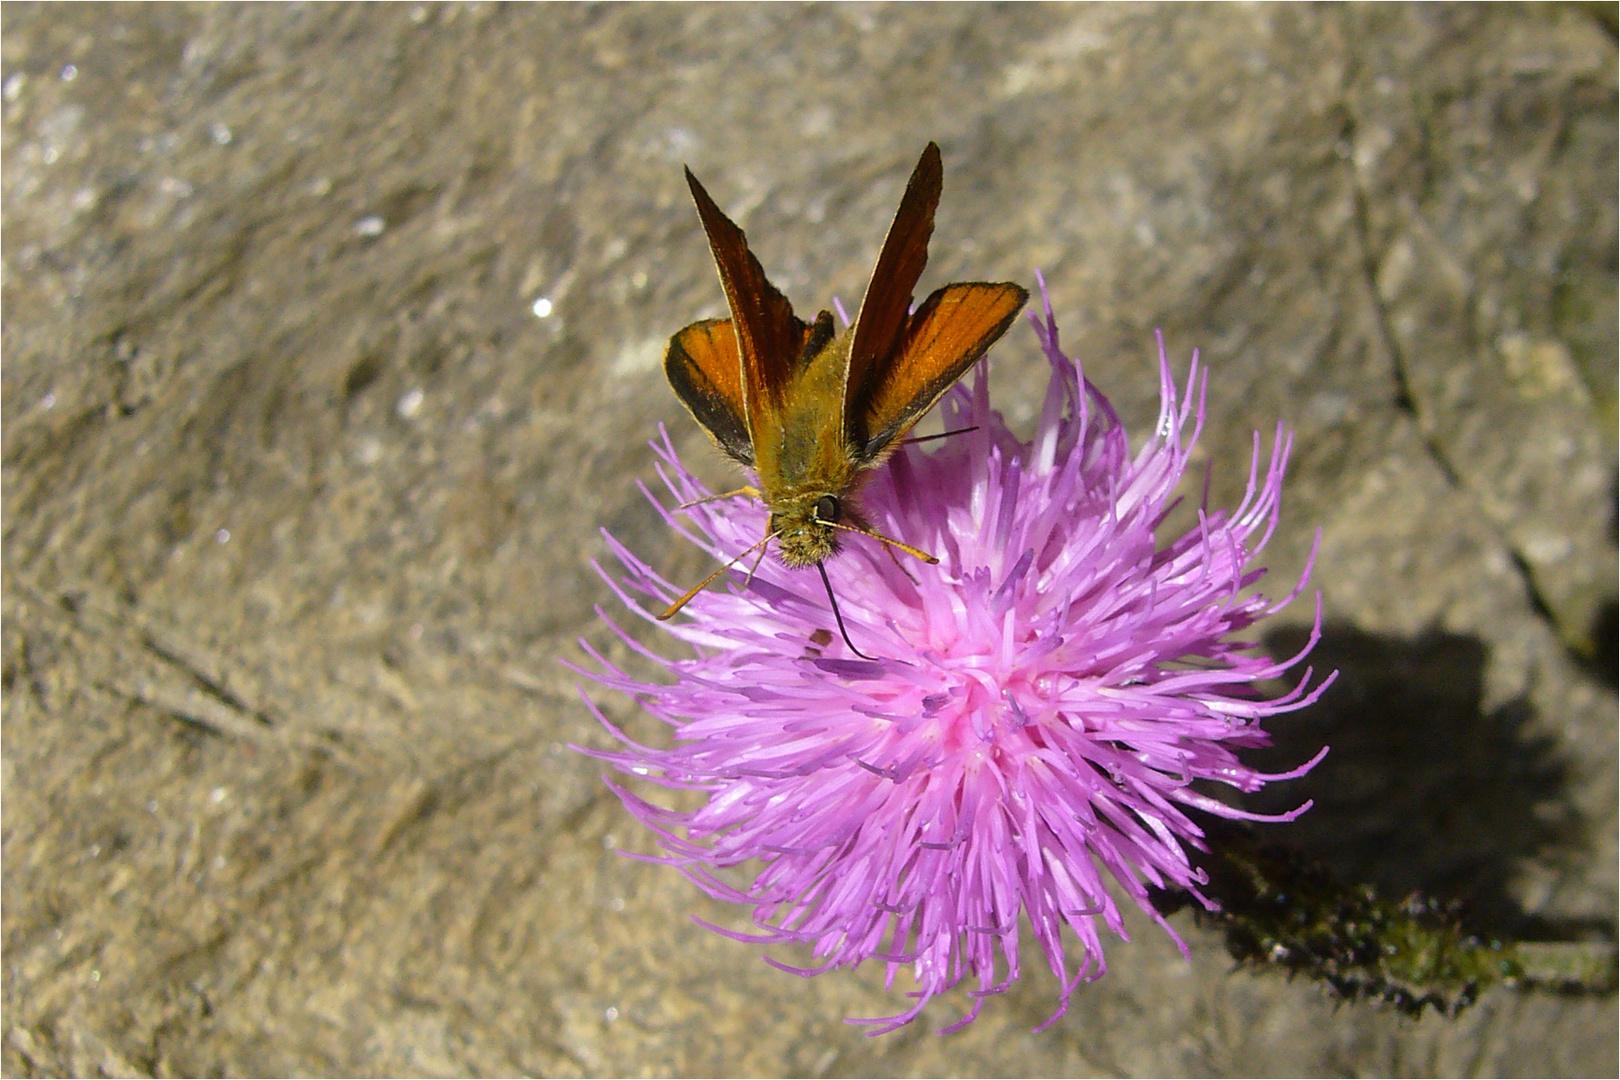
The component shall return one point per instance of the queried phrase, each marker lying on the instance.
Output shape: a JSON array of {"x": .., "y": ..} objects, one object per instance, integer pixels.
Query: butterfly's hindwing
[
  {"x": 706, "y": 374},
  {"x": 948, "y": 334}
]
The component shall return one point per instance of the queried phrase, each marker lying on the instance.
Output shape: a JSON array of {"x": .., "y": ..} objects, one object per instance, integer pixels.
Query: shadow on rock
[
  {"x": 1424, "y": 790},
  {"x": 1604, "y": 661}
]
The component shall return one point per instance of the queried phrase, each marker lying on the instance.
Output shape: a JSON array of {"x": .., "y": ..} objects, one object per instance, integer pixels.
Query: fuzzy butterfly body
[{"x": 812, "y": 410}]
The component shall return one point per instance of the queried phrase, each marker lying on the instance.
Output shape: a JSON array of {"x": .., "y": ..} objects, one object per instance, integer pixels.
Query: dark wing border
[{"x": 713, "y": 397}]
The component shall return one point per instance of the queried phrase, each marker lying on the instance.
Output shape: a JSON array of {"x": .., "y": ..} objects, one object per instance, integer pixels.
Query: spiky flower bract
[{"x": 1042, "y": 704}]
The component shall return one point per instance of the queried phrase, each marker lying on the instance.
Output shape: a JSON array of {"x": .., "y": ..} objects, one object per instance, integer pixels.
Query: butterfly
[{"x": 812, "y": 410}]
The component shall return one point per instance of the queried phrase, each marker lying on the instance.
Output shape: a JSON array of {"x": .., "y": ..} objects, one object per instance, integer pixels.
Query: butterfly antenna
[
  {"x": 839, "y": 618},
  {"x": 880, "y": 538},
  {"x": 706, "y": 582},
  {"x": 941, "y": 435}
]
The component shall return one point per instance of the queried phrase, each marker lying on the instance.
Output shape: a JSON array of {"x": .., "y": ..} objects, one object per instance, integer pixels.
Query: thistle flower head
[{"x": 1027, "y": 742}]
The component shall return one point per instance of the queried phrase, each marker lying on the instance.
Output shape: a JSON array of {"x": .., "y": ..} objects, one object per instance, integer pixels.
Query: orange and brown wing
[
  {"x": 769, "y": 337},
  {"x": 887, "y": 303},
  {"x": 947, "y": 335},
  {"x": 703, "y": 368}
]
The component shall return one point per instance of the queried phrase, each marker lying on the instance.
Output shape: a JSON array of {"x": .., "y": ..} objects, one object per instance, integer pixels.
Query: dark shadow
[
  {"x": 1603, "y": 636},
  {"x": 1604, "y": 663},
  {"x": 1605, "y": 12},
  {"x": 1424, "y": 790}
]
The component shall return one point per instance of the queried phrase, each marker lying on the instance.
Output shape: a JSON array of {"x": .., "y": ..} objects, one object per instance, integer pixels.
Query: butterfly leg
[
  {"x": 865, "y": 528},
  {"x": 750, "y": 490},
  {"x": 751, "y": 570},
  {"x": 898, "y": 565}
]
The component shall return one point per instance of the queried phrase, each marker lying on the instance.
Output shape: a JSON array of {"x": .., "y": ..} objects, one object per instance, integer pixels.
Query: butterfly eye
[{"x": 827, "y": 509}]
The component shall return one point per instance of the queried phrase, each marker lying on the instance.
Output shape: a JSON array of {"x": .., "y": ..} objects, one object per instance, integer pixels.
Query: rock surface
[{"x": 301, "y": 481}]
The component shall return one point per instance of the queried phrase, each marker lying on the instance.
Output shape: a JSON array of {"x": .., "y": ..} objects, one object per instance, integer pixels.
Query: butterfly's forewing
[
  {"x": 944, "y": 337},
  {"x": 884, "y": 309},
  {"x": 706, "y": 375},
  {"x": 769, "y": 337}
]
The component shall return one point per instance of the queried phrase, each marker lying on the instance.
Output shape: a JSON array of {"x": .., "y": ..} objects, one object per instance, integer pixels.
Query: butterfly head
[{"x": 805, "y": 526}]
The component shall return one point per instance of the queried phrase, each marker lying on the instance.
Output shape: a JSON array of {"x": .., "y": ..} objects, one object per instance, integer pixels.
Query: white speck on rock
[
  {"x": 368, "y": 452},
  {"x": 1547, "y": 548}
]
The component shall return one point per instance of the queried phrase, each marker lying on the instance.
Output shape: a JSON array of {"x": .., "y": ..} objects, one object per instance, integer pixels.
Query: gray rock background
[{"x": 299, "y": 494}]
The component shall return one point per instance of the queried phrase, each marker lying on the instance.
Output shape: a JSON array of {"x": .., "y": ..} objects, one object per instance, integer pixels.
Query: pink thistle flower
[{"x": 1044, "y": 700}]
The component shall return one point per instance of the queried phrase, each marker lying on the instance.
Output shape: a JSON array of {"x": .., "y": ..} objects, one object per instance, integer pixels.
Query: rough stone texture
[{"x": 299, "y": 493}]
